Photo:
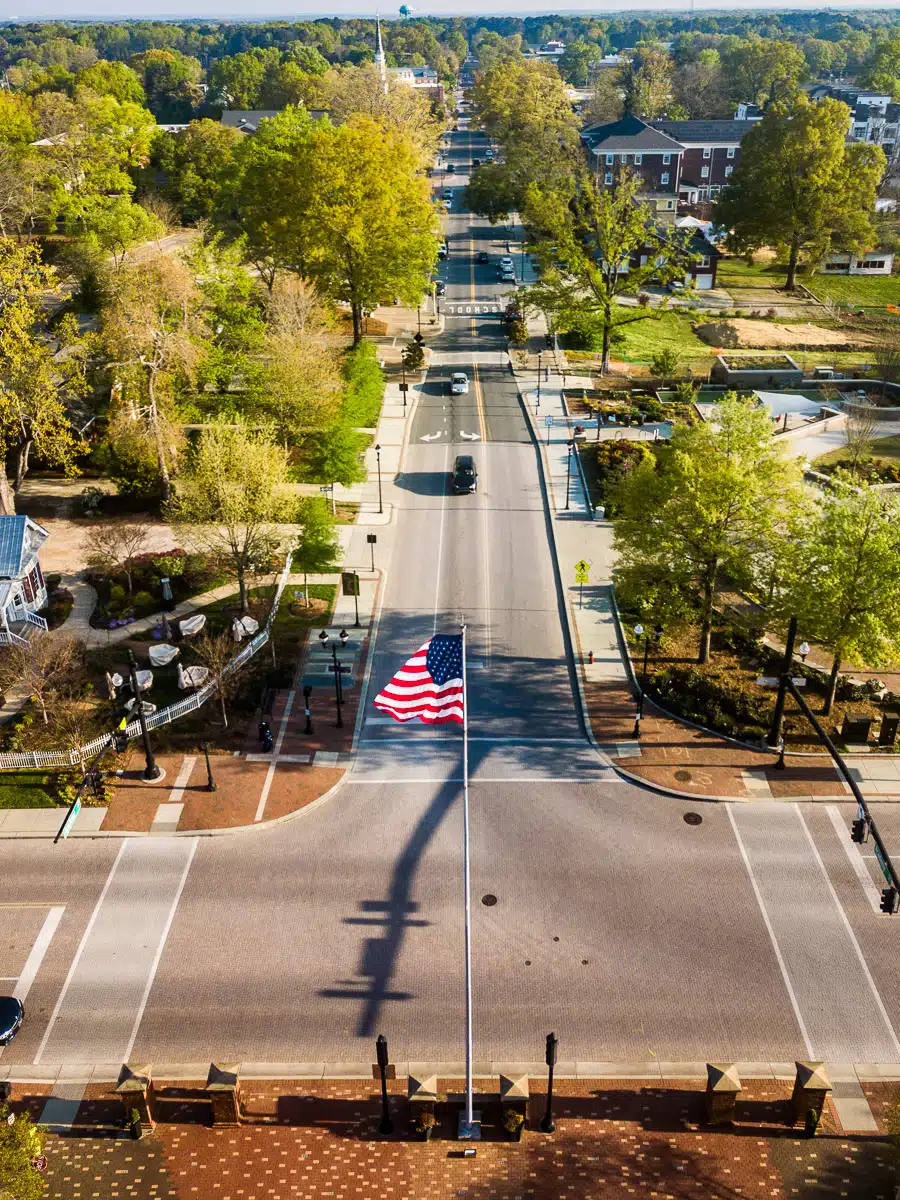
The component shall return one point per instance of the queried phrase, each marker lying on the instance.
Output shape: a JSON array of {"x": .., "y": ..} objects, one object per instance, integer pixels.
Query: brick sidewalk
[
  {"x": 614, "y": 1138},
  {"x": 677, "y": 757}
]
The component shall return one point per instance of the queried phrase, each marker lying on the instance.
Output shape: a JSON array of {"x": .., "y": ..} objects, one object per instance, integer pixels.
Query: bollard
[
  {"x": 811, "y": 1088},
  {"x": 135, "y": 1087},
  {"x": 222, "y": 1089},
  {"x": 723, "y": 1086}
]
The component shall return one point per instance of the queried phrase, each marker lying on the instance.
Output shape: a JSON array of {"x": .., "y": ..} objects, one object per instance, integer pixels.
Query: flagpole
[{"x": 468, "y": 903}]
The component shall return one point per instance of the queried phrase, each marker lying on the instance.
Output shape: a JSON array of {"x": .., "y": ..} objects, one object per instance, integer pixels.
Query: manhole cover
[
  {"x": 683, "y": 776},
  {"x": 693, "y": 819},
  {"x": 489, "y": 900}
]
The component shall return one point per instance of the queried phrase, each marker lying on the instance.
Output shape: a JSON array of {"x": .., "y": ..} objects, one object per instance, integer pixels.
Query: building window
[
  {"x": 667, "y": 158},
  {"x": 705, "y": 261},
  {"x": 836, "y": 266},
  {"x": 623, "y": 157},
  {"x": 872, "y": 264},
  {"x": 704, "y": 172},
  {"x": 607, "y": 178},
  {"x": 707, "y": 152},
  {"x": 731, "y": 151},
  {"x": 610, "y": 159},
  {"x": 664, "y": 178},
  {"x": 670, "y": 204},
  {"x": 728, "y": 171},
  {"x": 638, "y": 159}
]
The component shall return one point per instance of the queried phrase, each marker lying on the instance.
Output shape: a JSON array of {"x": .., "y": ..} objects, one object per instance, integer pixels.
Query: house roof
[
  {"x": 703, "y": 132},
  {"x": 630, "y": 134},
  {"x": 20, "y": 540}
]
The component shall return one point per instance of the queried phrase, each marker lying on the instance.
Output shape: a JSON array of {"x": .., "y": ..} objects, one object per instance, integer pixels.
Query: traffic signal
[
  {"x": 858, "y": 830},
  {"x": 120, "y": 741},
  {"x": 889, "y": 900}
]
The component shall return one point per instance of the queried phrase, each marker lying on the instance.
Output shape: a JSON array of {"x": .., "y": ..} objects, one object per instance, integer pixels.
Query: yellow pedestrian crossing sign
[{"x": 582, "y": 567}]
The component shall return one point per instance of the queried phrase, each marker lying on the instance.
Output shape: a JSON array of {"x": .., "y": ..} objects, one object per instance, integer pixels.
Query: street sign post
[
  {"x": 372, "y": 539},
  {"x": 66, "y": 828},
  {"x": 350, "y": 587},
  {"x": 581, "y": 578}
]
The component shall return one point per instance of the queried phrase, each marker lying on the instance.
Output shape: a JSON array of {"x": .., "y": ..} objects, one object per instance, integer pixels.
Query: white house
[
  {"x": 22, "y": 589},
  {"x": 875, "y": 262}
]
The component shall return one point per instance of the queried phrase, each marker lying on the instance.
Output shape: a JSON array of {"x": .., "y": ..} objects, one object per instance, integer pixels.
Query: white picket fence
[{"x": 60, "y": 759}]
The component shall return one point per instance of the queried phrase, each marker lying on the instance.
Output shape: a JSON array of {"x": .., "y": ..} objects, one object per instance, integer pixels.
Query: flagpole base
[{"x": 467, "y": 1132}]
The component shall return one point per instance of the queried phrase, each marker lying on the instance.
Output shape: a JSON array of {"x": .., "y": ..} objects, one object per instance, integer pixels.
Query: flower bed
[{"x": 188, "y": 574}]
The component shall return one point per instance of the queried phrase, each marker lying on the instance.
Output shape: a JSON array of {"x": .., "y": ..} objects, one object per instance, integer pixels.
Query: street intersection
[{"x": 633, "y": 934}]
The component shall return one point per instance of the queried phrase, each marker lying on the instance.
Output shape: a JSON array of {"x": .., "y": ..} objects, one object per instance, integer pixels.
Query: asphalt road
[{"x": 633, "y": 934}]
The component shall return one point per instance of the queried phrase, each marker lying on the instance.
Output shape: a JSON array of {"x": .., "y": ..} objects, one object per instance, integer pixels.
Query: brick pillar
[
  {"x": 723, "y": 1086},
  {"x": 135, "y": 1087},
  {"x": 811, "y": 1088},
  {"x": 222, "y": 1087}
]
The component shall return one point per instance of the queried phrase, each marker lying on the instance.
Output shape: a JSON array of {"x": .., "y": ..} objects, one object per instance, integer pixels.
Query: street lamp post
[
  {"x": 381, "y": 1050},
  {"x": 803, "y": 650},
  {"x": 571, "y": 443},
  {"x": 403, "y": 389},
  {"x": 151, "y": 768},
  {"x": 786, "y": 728},
  {"x": 540, "y": 356},
  {"x": 547, "y": 1125},
  {"x": 323, "y": 641},
  {"x": 210, "y": 782},
  {"x": 657, "y": 634},
  {"x": 307, "y": 692},
  {"x": 378, "y": 462}
]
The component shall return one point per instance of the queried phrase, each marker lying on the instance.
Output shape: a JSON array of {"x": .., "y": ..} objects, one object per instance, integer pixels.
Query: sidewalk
[
  {"x": 669, "y": 754},
  {"x": 314, "y": 1138}
]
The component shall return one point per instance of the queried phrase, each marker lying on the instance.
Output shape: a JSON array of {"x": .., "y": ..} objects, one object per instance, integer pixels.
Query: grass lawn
[
  {"x": 672, "y": 331},
  {"x": 864, "y": 291},
  {"x": 735, "y": 272},
  {"x": 886, "y": 450},
  {"x": 26, "y": 789}
]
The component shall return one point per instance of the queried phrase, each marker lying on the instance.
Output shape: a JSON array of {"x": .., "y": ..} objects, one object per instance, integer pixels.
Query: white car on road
[{"x": 459, "y": 384}]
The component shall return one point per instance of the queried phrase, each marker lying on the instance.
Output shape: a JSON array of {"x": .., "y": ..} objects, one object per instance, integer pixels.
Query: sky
[{"x": 242, "y": 9}]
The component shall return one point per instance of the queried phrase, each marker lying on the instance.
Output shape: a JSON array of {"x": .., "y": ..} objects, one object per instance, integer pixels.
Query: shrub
[
  {"x": 143, "y": 600},
  {"x": 700, "y": 698},
  {"x": 364, "y": 392},
  {"x": 644, "y": 300},
  {"x": 518, "y": 332},
  {"x": 771, "y": 312},
  {"x": 664, "y": 363},
  {"x": 584, "y": 333},
  {"x": 116, "y": 594},
  {"x": 413, "y": 356}
]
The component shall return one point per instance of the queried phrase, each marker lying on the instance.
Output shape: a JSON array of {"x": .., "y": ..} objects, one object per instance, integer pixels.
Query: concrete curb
[{"x": 652, "y": 1069}]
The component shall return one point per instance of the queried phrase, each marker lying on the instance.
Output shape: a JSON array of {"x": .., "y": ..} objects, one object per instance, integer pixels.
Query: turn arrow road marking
[
  {"x": 430, "y": 437},
  {"x": 470, "y": 437}
]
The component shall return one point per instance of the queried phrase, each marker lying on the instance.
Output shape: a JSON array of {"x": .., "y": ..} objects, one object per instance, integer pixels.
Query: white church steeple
[{"x": 380, "y": 60}]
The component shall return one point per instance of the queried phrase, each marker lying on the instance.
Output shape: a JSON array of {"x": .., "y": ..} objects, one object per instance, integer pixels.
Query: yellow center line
[{"x": 479, "y": 403}]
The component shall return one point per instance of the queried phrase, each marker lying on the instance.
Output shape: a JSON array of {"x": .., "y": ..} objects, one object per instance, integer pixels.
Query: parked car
[
  {"x": 464, "y": 478},
  {"x": 439, "y": 287},
  {"x": 483, "y": 256},
  {"x": 447, "y": 194},
  {"x": 506, "y": 263},
  {"x": 506, "y": 274},
  {"x": 443, "y": 250},
  {"x": 489, "y": 153},
  {"x": 11, "y": 1016},
  {"x": 459, "y": 384}
]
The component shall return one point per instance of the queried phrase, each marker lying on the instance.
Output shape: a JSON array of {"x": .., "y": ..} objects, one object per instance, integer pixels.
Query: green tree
[
  {"x": 576, "y": 61},
  {"x": 318, "y": 549},
  {"x": 701, "y": 514},
  {"x": 334, "y": 456},
  {"x": 171, "y": 81},
  {"x": 235, "y": 498},
  {"x": 800, "y": 187},
  {"x": 700, "y": 86},
  {"x": 400, "y": 111},
  {"x": 649, "y": 85},
  {"x": 198, "y": 162},
  {"x": 586, "y": 242},
  {"x": 764, "y": 69},
  {"x": 35, "y": 390},
  {"x": 881, "y": 71},
  {"x": 20, "y": 1143},
  {"x": 607, "y": 101},
  {"x": 113, "y": 79},
  {"x": 115, "y": 224},
  {"x": 16, "y": 120},
  {"x": 841, "y": 576}
]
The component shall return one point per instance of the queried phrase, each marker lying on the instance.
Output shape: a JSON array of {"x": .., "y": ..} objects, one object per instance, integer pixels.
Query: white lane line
[
  {"x": 270, "y": 774},
  {"x": 159, "y": 949},
  {"x": 38, "y": 950},
  {"x": 78, "y": 953},
  {"x": 855, "y": 857},
  {"x": 437, "y": 574},
  {"x": 772, "y": 938},
  {"x": 876, "y": 996}
]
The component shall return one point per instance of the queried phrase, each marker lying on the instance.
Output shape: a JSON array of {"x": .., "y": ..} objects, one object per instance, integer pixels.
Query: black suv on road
[{"x": 465, "y": 477}]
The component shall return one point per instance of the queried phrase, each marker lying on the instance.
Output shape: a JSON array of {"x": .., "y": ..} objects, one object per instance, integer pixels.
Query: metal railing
[{"x": 62, "y": 759}]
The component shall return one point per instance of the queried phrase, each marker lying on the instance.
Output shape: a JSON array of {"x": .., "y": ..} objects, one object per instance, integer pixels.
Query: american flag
[{"x": 429, "y": 685}]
